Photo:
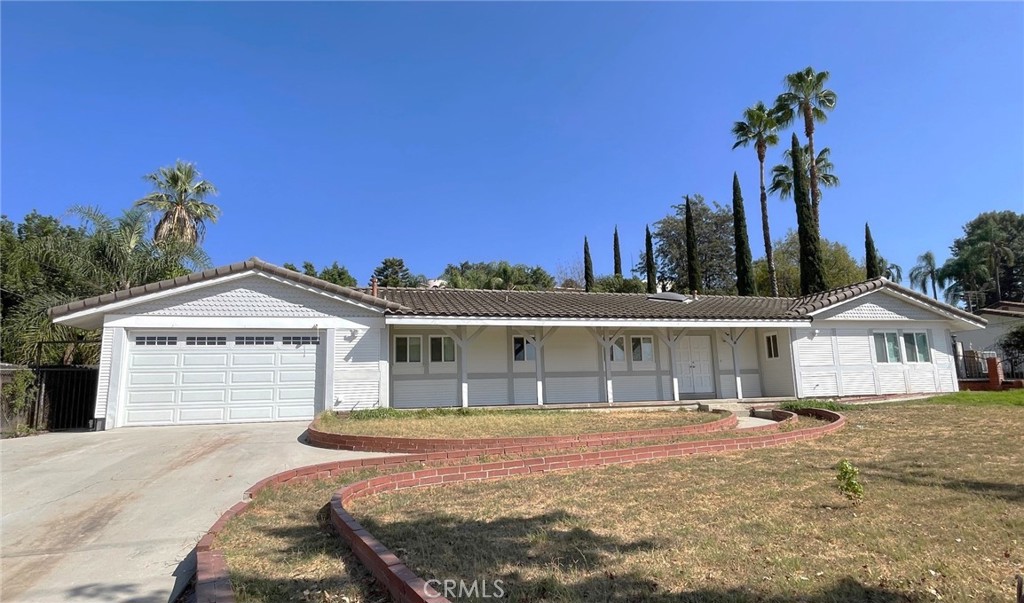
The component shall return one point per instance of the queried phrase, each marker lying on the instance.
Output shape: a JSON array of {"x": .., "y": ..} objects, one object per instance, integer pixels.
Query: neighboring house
[
  {"x": 256, "y": 342},
  {"x": 1002, "y": 318}
]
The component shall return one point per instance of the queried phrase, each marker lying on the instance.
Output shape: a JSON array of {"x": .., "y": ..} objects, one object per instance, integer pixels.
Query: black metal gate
[{"x": 66, "y": 397}]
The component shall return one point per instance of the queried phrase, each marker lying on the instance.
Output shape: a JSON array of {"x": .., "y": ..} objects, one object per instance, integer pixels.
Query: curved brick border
[
  {"x": 213, "y": 584},
  {"x": 342, "y": 441},
  {"x": 407, "y": 587}
]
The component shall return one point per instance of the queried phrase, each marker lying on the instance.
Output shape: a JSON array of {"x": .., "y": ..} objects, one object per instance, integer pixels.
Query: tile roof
[{"x": 536, "y": 304}]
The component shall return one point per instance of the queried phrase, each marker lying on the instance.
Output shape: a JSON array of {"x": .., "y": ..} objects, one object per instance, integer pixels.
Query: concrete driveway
[{"x": 110, "y": 516}]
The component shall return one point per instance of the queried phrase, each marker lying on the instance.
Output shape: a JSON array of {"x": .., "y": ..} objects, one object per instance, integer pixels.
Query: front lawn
[
  {"x": 943, "y": 516},
  {"x": 485, "y": 423}
]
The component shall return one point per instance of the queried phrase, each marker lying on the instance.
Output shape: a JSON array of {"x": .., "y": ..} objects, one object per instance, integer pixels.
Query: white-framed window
[
  {"x": 254, "y": 340},
  {"x": 442, "y": 349},
  {"x": 916, "y": 345},
  {"x": 771, "y": 345},
  {"x": 523, "y": 350},
  {"x": 887, "y": 347},
  {"x": 617, "y": 353},
  {"x": 157, "y": 340},
  {"x": 408, "y": 349},
  {"x": 301, "y": 340},
  {"x": 643, "y": 348},
  {"x": 206, "y": 340}
]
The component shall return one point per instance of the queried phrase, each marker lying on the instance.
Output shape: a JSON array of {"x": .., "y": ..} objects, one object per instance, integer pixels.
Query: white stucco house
[{"x": 255, "y": 342}]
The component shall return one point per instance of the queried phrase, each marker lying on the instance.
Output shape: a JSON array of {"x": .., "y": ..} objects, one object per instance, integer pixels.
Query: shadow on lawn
[
  {"x": 558, "y": 560},
  {"x": 914, "y": 475}
]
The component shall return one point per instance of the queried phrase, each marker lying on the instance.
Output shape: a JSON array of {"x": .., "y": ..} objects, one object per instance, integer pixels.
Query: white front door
[
  {"x": 694, "y": 365},
  {"x": 176, "y": 377}
]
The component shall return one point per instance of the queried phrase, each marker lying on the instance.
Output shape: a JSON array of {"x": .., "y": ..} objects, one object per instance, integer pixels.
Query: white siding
[
  {"x": 892, "y": 379},
  {"x": 820, "y": 384},
  {"x": 638, "y": 388},
  {"x": 858, "y": 382},
  {"x": 880, "y": 306},
  {"x": 425, "y": 393},
  {"x": 249, "y": 297},
  {"x": 526, "y": 390},
  {"x": 814, "y": 350},
  {"x": 103, "y": 384},
  {"x": 356, "y": 369},
  {"x": 571, "y": 350},
  {"x": 572, "y": 389},
  {"x": 488, "y": 392}
]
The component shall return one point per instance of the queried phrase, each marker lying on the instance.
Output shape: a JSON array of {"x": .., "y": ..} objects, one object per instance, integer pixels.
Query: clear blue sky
[{"x": 451, "y": 131}]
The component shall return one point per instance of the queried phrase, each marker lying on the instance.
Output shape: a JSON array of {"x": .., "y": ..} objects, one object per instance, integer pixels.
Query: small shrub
[
  {"x": 16, "y": 398},
  {"x": 795, "y": 405},
  {"x": 849, "y": 485}
]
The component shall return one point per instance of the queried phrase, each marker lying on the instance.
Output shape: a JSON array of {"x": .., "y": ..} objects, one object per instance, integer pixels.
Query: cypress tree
[
  {"x": 588, "y": 267},
  {"x": 652, "y": 274},
  {"x": 692, "y": 267},
  {"x": 812, "y": 272},
  {"x": 744, "y": 261},
  {"x": 618, "y": 254},
  {"x": 871, "y": 263}
]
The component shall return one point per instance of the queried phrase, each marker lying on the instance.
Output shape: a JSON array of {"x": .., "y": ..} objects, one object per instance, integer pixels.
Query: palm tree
[
  {"x": 967, "y": 278},
  {"x": 180, "y": 199},
  {"x": 782, "y": 174},
  {"x": 760, "y": 127},
  {"x": 993, "y": 247},
  {"x": 924, "y": 272},
  {"x": 893, "y": 272},
  {"x": 806, "y": 96}
]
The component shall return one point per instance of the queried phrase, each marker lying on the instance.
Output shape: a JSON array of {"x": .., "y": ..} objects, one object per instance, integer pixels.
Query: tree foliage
[
  {"x": 335, "y": 273},
  {"x": 497, "y": 275},
  {"x": 841, "y": 268},
  {"x": 713, "y": 230},
  {"x": 782, "y": 174},
  {"x": 392, "y": 272},
  {"x": 925, "y": 272},
  {"x": 179, "y": 199},
  {"x": 872, "y": 262},
  {"x": 616, "y": 283},
  {"x": 588, "y": 267},
  {"x": 692, "y": 263},
  {"x": 617, "y": 253},
  {"x": 649, "y": 263},
  {"x": 744, "y": 261},
  {"x": 987, "y": 262},
  {"x": 812, "y": 272}
]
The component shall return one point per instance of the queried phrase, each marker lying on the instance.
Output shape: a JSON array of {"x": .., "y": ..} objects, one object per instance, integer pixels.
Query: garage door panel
[
  {"x": 181, "y": 383},
  {"x": 144, "y": 379}
]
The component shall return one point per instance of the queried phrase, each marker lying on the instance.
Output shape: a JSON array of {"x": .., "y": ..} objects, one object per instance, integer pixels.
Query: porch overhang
[{"x": 505, "y": 321}]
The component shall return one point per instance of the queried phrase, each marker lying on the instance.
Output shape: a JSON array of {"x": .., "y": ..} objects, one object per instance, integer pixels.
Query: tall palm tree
[
  {"x": 992, "y": 245},
  {"x": 180, "y": 199},
  {"x": 806, "y": 96},
  {"x": 760, "y": 127},
  {"x": 782, "y": 174},
  {"x": 967, "y": 278},
  {"x": 893, "y": 272},
  {"x": 925, "y": 272}
]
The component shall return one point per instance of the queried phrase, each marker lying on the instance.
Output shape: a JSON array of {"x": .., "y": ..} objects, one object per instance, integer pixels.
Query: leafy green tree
[
  {"x": 992, "y": 242},
  {"x": 807, "y": 97},
  {"x": 841, "y": 268},
  {"x": 744, "y": 260},
  {"x": 692, "y": 263},
  {"x": 812, "y": 270},
  {"x": 713, "y": 227},
  {"x": 925, "y": 272},
  {"x": 179, "y": 198},
  {"x": 782, "y": 174},
  {"x": 872, "y": 262},
  {"x": 1000, "y": 237},
  {"x": 760, "y": 127},
  {"x": 652, "y": 274},
  {"x": 615, "y": 283},
  {"x": 617, "y": 253},
  {"x": 965, "y": 278},
  {"x": 497, "y": 275},
  {"x": 588, "y": 267},
  {"x": 392, "y": 272}
]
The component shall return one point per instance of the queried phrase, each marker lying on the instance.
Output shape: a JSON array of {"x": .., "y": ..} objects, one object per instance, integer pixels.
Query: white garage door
[{"x": 220, "y": 377}]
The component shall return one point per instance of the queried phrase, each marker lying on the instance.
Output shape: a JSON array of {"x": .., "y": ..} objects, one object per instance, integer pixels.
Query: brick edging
[
  {"x": 213, "y": 584},
  {"x": 343, "y": 441},
  {"x": 408, "y": 587}
]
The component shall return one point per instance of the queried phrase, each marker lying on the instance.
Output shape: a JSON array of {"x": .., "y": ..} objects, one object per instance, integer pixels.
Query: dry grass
[
  {"x": 480, "y": 423},
  {"x": 943, "y": 516}
]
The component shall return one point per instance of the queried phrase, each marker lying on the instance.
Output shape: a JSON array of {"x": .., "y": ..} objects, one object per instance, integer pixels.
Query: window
[
  {"x": 643, "y": 348},
  {"x": 617, "y": 353},
  {"x": 407, "y": 349},
  {"x": 887, "y": 347},
  {"x": 523, "y": 350},
  {"x": 301, "y": 340},
  {"x": 771, "y": 343},
  {"x": 916, "y": 345},
  {"x": 255, "y": 340},
  {"x": 442, "y": 349},
  {"x": 157, "y": 340},
  {"x": 206, "y": 340}
]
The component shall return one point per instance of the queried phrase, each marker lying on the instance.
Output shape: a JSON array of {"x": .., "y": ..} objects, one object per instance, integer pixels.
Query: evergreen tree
[
  {"x": 871, "y": 261},
  {"x": 744, "y": 260},
  {"x": 692, "y": 265},
  {"x": 588, "y": 267},
  {"x": 618, "y": 254},
  {"x": 812, "y": 271},
  {"x": 393, "y": 273},
  {"x": 652, "y": 274}
]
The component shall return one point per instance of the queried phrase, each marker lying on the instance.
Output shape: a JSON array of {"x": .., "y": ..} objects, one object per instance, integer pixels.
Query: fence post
[{"x": 995, "y": 373}]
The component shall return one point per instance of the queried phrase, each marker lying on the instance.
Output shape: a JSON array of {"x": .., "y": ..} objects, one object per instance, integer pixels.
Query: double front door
[{"x": 693, "y": 365}]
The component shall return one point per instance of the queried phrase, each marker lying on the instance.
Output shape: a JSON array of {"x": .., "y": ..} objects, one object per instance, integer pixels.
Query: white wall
[
  {"x": 987, "y": 339},
  {"x": 747, "y": 354},
  {"x": 776, "y": 373}
]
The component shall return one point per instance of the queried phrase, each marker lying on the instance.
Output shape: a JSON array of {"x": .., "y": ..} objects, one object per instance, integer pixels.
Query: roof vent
[{"x": 668, "y": 296}]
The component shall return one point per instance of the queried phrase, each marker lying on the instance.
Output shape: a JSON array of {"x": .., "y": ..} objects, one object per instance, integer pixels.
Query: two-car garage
[{"x": 220, "y": 376}]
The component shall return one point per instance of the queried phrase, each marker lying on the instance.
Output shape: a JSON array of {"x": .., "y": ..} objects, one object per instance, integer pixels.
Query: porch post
[
  {"x": 732, "y": 340},
  {"x": 671, "y": 342},
  {"x": 462, "y": 344},
  {"x": 539, "y": 344}
]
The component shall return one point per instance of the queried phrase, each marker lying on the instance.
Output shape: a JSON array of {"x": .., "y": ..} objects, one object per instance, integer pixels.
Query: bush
[
  {"x": 849, "y": 485},
  {"x": 1012, "y": 343},
  {"x": 796, "y": 405},
  {"x": 16, "y": 398}
]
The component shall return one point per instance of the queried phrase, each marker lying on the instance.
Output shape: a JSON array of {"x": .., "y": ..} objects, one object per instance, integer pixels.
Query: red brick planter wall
[
  {"x": 340, "y": 441},
  {"x": 212, "y": 580}
]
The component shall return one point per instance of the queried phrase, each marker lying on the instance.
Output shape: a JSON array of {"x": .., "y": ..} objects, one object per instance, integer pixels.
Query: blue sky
[{"x": 449, "y": 131}]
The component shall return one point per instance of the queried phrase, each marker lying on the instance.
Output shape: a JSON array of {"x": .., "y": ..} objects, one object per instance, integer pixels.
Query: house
[
  {"x": 1002, "y": 318},
  {"x": 255, "y": 342}
]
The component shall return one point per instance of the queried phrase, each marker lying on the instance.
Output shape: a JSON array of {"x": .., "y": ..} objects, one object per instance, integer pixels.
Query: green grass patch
[
  {"x": 1013, "y": 397},
  {"x": 796, "y": 405}
]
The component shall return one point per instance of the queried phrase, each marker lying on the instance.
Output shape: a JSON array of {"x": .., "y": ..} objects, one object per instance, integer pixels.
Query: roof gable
[{"x": 880, "y": 305}]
